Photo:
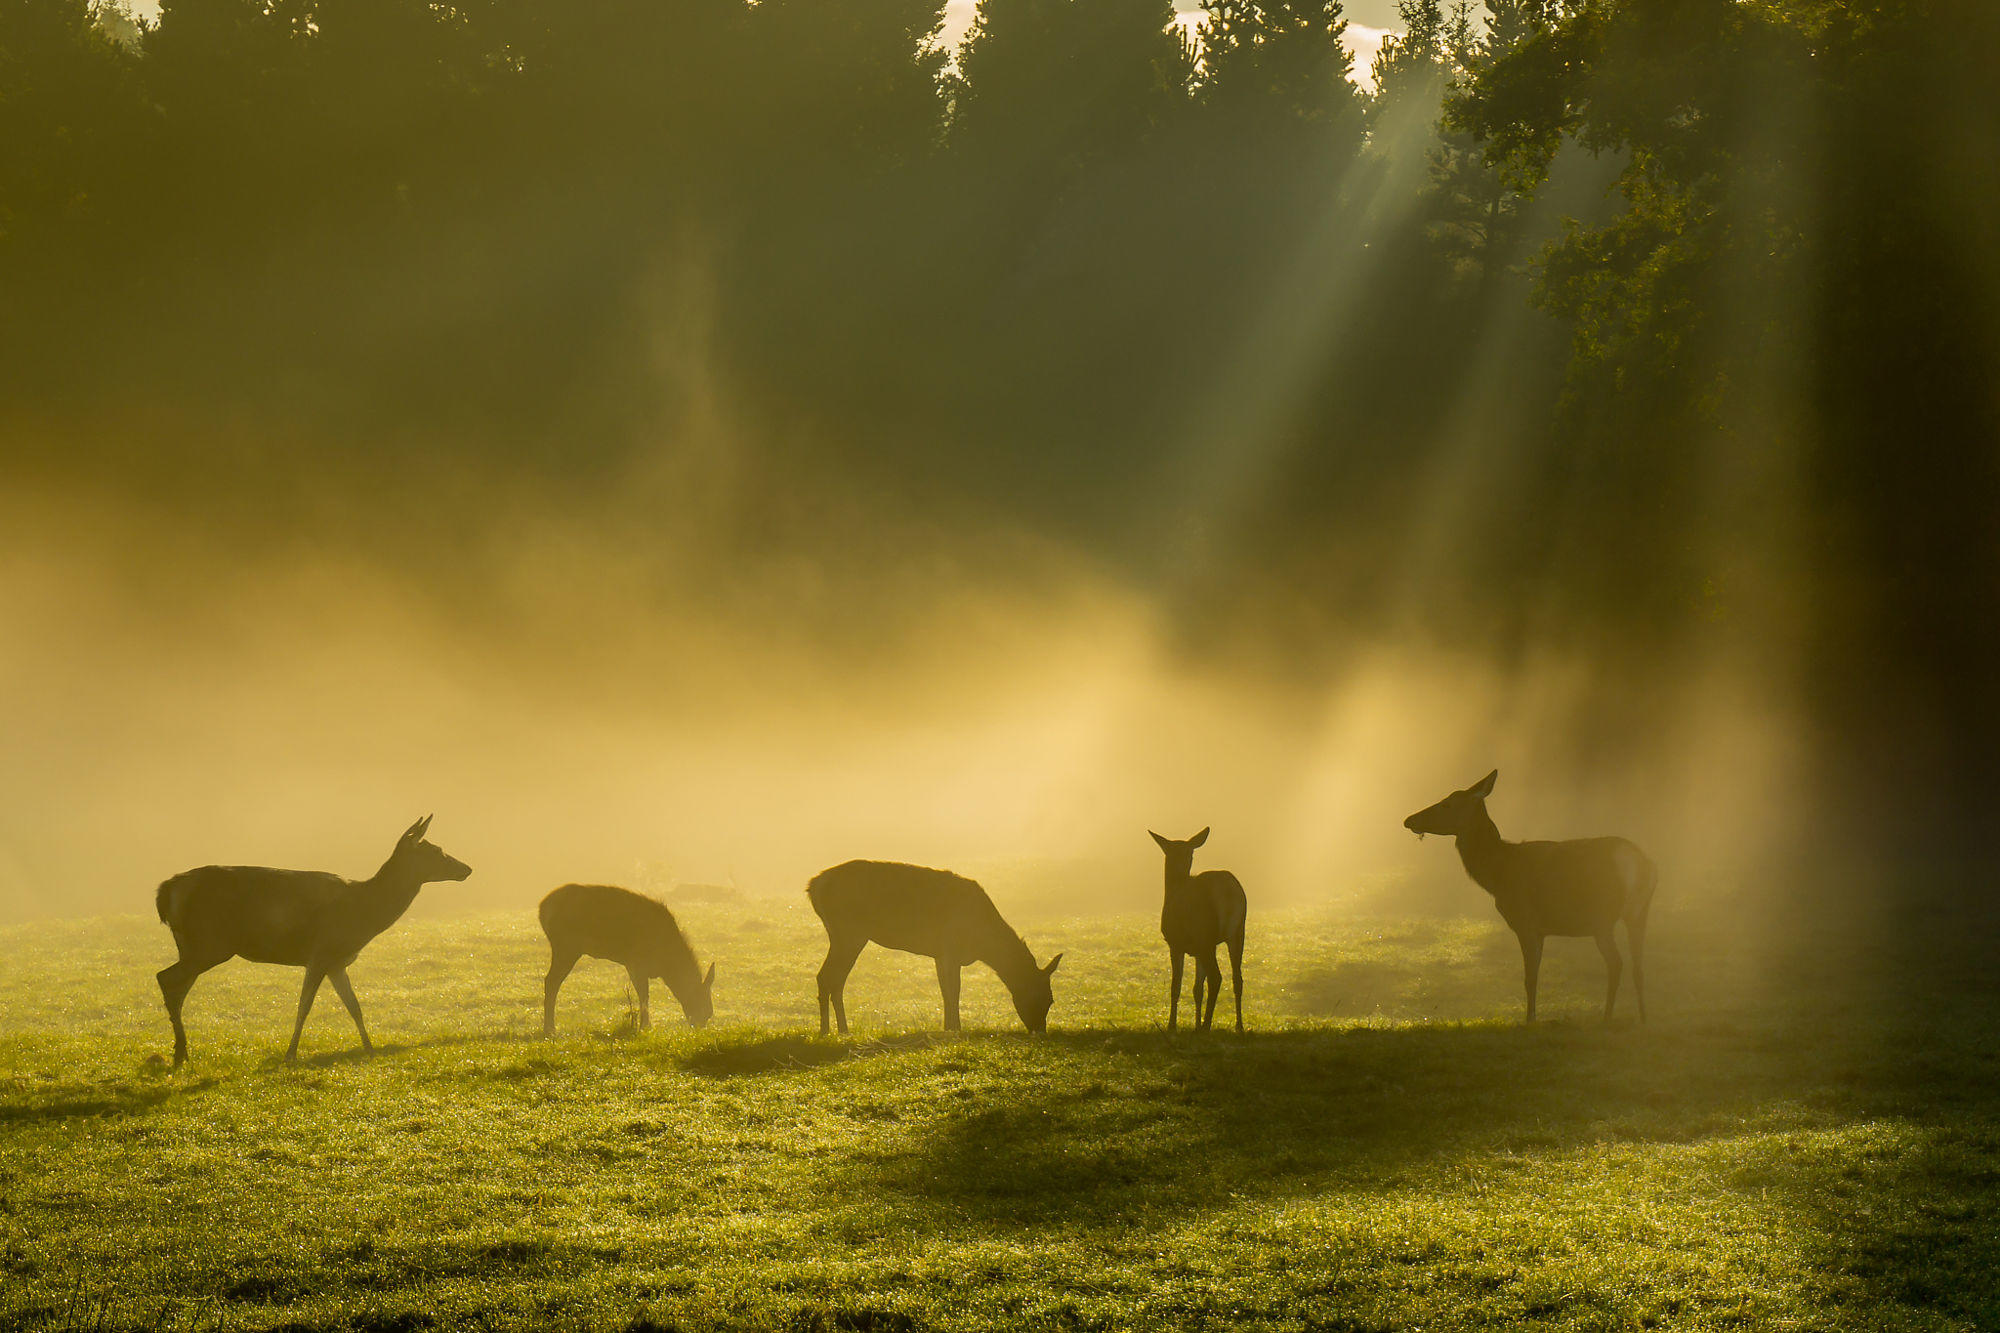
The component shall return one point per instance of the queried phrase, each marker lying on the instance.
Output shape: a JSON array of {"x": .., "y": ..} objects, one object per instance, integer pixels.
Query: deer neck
[
  {"x": 383, "y": 899},
  {"x": 1481, "y": 851},
  {"x": 1008, "y": 955},
  {"x": 675, "y": 964}
]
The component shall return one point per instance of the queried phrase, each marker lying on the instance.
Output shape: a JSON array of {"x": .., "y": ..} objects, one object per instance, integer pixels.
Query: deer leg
[
  {"x": 560, "y": 964},
  {"x": 947, "y": 974},
  {"x": 1607, "y": 944},
  {"x": 1531, "y": 967},
  {"x": 644, "y": 985},
  {"x": 313, "y": 977},
  {"x": 175, "y": 982},
  {"x": 1174, "y": 994},
  {"x": 840, "y": 956},
  {"x": 346, "y": 993},
  {"x": 1213, "y": 972},
  {"x": 1236, "y": 976}
]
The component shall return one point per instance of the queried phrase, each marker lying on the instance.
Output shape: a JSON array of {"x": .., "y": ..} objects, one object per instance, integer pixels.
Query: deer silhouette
[
  {"x": 922, "y": 911},
  {"x": 621, "y": 926},
  {"x": 1583, "y": 886},
  {"x": 1199, "y": 913},
  {"x": 297, "y": 918}
]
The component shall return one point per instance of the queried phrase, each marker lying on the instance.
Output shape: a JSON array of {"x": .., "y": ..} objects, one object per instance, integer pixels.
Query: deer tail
[
  {"x": 816, "y": 888},
  {"x": 166, "y": 901}
]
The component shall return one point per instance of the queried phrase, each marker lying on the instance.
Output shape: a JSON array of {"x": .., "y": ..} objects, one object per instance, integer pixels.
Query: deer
[
  {"x": 934, "y": 913},
  {"x": 296, "y": 918},
  {"x": 1579, "y": 887},
  {"x": 1200, "y": 912},
  {"x": 621, "y": 926}
]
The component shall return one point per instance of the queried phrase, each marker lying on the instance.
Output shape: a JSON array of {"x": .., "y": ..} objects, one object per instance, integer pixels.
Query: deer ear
[
  {"x": 1198, "y": 839},
  {"x": 1165, "y": 845},
  {"x": 1050, "y": 970},
  {"x": 708, "y": 981},
  {"x": 1484, "y": 787},
  {"x": 416, "y": 830}
]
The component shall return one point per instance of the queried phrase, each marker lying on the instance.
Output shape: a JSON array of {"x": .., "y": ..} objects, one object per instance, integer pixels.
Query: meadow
[{"x": 1802, "y": 1138}]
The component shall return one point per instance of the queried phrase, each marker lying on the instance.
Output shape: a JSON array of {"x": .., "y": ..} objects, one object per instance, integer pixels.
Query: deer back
[
  {"x": 912, "y": 908},
  {"x": 255, "y": 912},
  {"x": 1579, "y": 886},
  {"x": 1202, "y": 911},
  {"x": 613, "y": 923}
]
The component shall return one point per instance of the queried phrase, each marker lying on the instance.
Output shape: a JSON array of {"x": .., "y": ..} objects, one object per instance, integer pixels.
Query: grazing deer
[
  {"x": 1584, "y": 886},
  {"x": 1200, "y": 912},
  {"x": 930, "y": 912},
  {"x": 621, "y": 926},
  {"x": 298, "y": 918}
]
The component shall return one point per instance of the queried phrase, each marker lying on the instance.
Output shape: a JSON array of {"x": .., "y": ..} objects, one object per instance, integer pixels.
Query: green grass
[{"x": 1388, "y": 1148}]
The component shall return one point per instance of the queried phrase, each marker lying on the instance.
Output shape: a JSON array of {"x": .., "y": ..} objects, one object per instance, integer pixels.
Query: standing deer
[
  {"x": 621, "y": 926},
  {"x": 1583, "y": 886},
  {"x": 1199, "y": 913},
  {"x": 298, "y": 918},
  {"x": 930, "y": 912}
]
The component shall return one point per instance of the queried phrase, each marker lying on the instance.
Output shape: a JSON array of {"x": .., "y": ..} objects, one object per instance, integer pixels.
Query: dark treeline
[{"x": 1650, "y": 330}]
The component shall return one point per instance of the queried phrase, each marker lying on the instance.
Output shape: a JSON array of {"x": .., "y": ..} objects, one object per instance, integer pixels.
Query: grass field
[{"x": 1812, "y": 1143}]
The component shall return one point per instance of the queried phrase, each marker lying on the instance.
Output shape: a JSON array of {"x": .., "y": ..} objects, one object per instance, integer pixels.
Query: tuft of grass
[{"x": 1387, "y": 1148}]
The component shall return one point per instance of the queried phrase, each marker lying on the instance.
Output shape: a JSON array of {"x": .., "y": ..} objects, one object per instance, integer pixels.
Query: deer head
[
  {"x": 426, "y": 860},
  {"x": 1180, "y": 853},
  {"x": 1034, "y": 1000},
  {"x": 1461, "y": 812},
  {"x": 699, "y": 1006}
]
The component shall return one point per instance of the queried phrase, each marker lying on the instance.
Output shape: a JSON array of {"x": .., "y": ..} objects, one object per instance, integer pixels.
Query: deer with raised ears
[
  {"x": 1580, "y": 887},
  {"x": 297, "y": 918},
  {"x": 930, "y": 912},
  {"x": 1199, "y": 913},
  {"x": 621, "y": 926}
]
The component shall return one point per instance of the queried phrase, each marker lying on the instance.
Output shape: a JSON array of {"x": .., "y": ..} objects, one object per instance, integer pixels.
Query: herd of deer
[{"x": 319, "y": 921}]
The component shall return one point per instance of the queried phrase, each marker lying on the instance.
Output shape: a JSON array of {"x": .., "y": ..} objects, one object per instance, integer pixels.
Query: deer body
[
  {"x": 1198, "y": 914},
  {"x": 933, "y": 913},
  {"x": 1579, "y": 887},
  {"x": 621, "y": 926},
  {"x": 295, "y": 918}
]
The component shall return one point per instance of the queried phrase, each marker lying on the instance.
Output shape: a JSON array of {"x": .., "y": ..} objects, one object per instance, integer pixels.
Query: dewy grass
[{"x": 1386, "y": 1148}]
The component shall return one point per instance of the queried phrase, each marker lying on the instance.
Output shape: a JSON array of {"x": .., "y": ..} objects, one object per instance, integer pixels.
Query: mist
[
  {"x": 600, "y": 689},
  {"x": 668, "y": 462}
]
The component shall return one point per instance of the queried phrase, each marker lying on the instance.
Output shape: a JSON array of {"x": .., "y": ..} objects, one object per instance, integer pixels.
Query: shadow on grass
[
  {"x": 388, "y": 1050},
  {"x": 789, "y": 1052},
  {"x": 1159, "y": 1126},
  {"x": 1456, "y": 987},
  {"x": 1909, "y": 1217},
  {"x": 28, "y": 1101},
  {"x": 27, "y": 1104}
]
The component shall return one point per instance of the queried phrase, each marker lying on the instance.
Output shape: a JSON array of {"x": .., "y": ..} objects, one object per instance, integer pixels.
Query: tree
[
  {"x": 1413, "y": 68},
  {"x": 1061, "y": 84},
  {"x": 1280, "y": 63},
  {"x": 68, "y": 94},
  {"x": 1781, "y": 288},
  {"x": 1473, "y": 206}
]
